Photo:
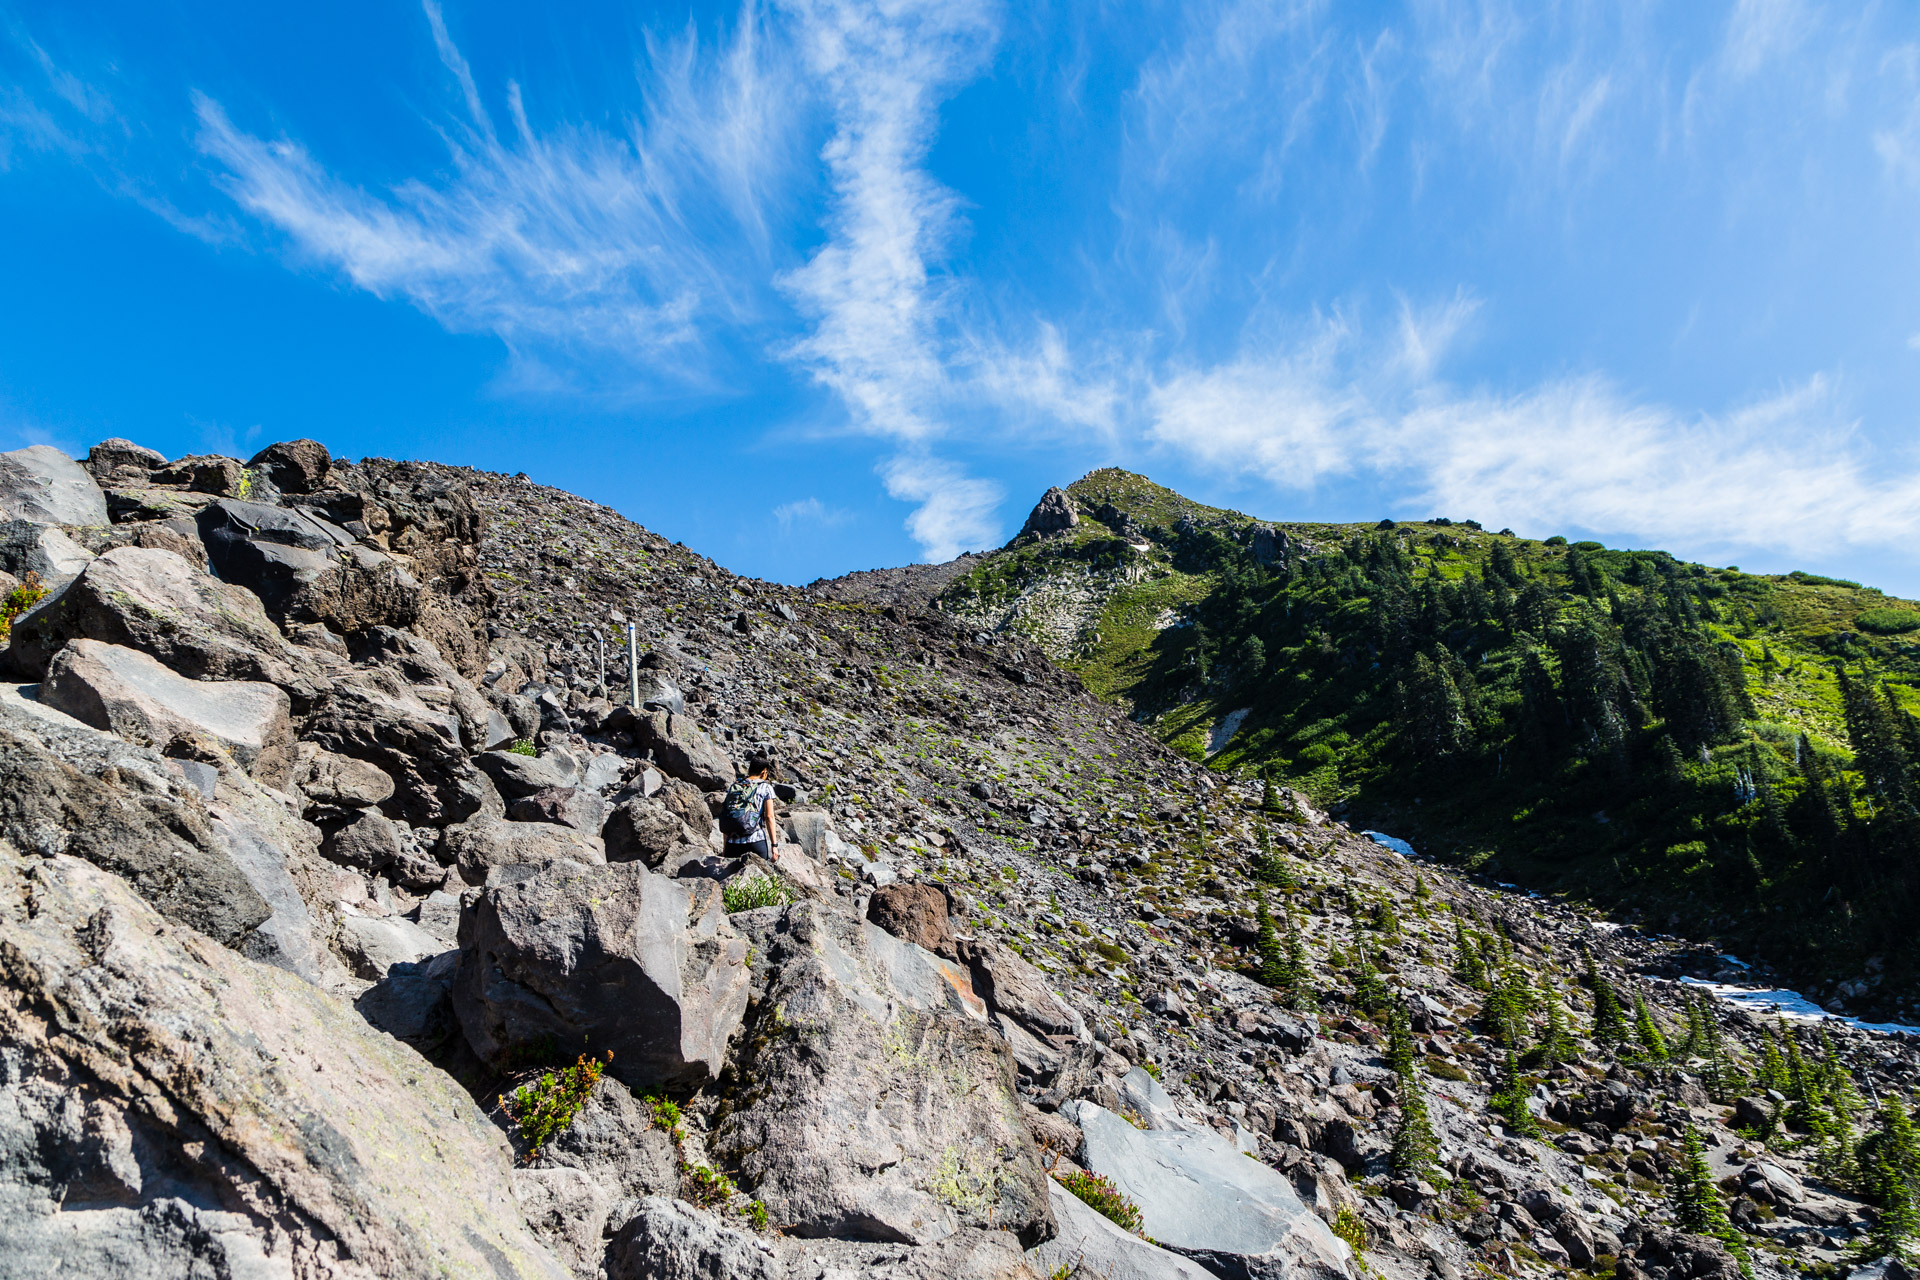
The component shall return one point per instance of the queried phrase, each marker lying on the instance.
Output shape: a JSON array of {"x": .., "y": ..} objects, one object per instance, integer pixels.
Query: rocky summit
[{"x": 364, "y": 912}]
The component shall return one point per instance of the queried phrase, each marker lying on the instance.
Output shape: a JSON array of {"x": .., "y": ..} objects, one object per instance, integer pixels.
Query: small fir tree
[
  {"x": 1609, "y": 1018},
  {"x": 1653, "y": 1045},
  {"x": 1415, "y": 1149},
  {"x": 1509, "y": 1099},
  {"x": 1889, "y": 1162},
  {"x": 1400, "y": 1051},
  {"x": 1697, "y": 1206},
  {"x": 1558, "y": 1045},
  {"x": 1467, "y": 966}
]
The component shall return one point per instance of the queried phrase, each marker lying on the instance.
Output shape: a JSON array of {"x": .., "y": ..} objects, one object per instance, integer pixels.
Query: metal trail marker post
[{"x": 633, "y": 667}]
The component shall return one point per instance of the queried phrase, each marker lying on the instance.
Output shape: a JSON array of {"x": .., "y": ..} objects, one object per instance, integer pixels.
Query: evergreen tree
[
  {"x": 1890, "y": 1168},
  {"x": 1873, "y": 728},
  {"x": 1697, "y": 1206},
  {"x": 1507, "y": 1006},
  {"x": 1720, "y": 1076},
  {"x": 1433, "y": 716},
  {"x": 1273, "y": 956},
  {"x": 1509, "y": 1098},
  {"x": 1609, "y": 1018},
  {"x": 1467, "y": 965},
  {"x": 1400, "y": 1052},
  {"x": 1415, "y": 1149},
  {"x": 1557, "y": 1045},
  {"x": 1653, "y": 1045},
  {"x": 1773, "y": 1065}
]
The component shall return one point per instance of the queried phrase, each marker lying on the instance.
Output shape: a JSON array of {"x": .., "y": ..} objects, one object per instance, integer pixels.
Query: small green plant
[
  {"x": 666, "y": 1114},
  {"x": 1103, "y": 1198},
  {"x": 708, "y": 1186},
  {"x": 1348, "y": 1226},
  {"x": 749, "y": 892},
  {"x": 17, "y": 601},
  {"x": 548, "y": 1105},
  {"x": 756, "y": 1213},
  {"x": 522, "y": 747}
]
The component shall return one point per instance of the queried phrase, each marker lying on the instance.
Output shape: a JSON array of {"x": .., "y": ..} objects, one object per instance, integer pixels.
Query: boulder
[
  {"x": 414, "y": 1002},
  {"x": 133, "y": 500},
  {"x": 1016, "y": 990},
  {"x": 870, "y": 1104},
  {"x": 131, "y": 694},
  {"x": 366, "y": 841},
  {"x": 208, "y": 473},
  {"x": 156, "y": 602},
  {"x": 683, "y": 750},
  {"x": 671, "y": 1240},
  {"x": 174, "y": 1109},
  {"x": 517, "y": 776},
  {"x": 1200, "y": 1196},
  {"x": 575, "y": 807},
  {"x": 294, "y": 466},
  {"x": 568, "y": 1210},
  {"x": 120, "y": 461},
  {"x": 687, "y": 803},
  {"x": 327, "y": 778},
  {"x": 605, "y": 958},
  {"x": 435, "y": 681},
  {"x": 373, "y": 716},
  {"x": 42, "y": 484},
  {"x": 42, "y": 550},
  {"x": 278, "y": 856},
  {"x": 275, "y": 552},
  {"x": 55, "y": 799},
  {"x": 1090, "y": 1244},
  {"x": 482, "y": 846},
  {"x": 374, "y": 944},
  {"x": 642, "y": 829},
  {"x": 915, "y": 912}
]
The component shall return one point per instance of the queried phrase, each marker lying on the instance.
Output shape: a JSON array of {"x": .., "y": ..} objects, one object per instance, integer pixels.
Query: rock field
[{"x": 327, "y": 822}]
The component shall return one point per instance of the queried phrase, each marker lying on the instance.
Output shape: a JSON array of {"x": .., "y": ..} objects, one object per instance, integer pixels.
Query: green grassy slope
[{"x": 1728, "y": 752}]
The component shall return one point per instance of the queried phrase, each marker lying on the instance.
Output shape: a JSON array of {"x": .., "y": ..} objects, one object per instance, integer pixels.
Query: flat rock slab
[
  {"x": 42, "y": 550},
  {"x": 133, "y": 695},
  {"x": 42, "y": 484},
  {"x": 1090, "y": 1244},
  {"x": 325, "y": 1148},
  {"x": 1200, "y": 1195}
]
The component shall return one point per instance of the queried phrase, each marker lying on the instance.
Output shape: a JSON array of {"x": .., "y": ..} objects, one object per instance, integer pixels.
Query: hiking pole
[{"x": 633, "y": 667}]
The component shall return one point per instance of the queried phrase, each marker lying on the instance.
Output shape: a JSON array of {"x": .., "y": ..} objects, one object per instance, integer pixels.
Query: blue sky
[{"x": 833, "y": 284}]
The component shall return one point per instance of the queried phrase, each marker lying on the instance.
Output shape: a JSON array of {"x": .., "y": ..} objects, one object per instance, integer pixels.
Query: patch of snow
[
  {"x": 1394, "y": 843},
  {"x": 1779, "y": 1002},
  {"x": 1224, "y": 729}
]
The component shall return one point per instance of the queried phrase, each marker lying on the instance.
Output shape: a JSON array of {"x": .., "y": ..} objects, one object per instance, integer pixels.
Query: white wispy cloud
[
  {"x": 955, "y": 512},
  {"x": 809, "y": 511},
  {"x": 568, "y": 240}
]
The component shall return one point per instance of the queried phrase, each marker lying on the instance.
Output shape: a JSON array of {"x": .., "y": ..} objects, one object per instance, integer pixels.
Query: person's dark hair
[{"x": 759, "y": 764}]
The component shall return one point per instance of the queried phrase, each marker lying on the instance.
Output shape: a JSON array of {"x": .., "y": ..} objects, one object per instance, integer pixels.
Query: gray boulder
[
  {"x": 642, "y": 829},
  {"x": 367, "y": 841},
  {"x": 576, "y": 807},
  {"x": 614, "y": 1140},
  {"x": 54, "y": 799},
  {"x": 374, "y": 716},
  {"x": 687, "y": 803},
  {"x": 294, "y": 466},
  {"x": 373, "y": 945},
  {"x": 414, "y": 1002},
  {"x": 610, "y": 957},
  {"x": 1199, "y": 1195},
  {"x": 671, "y": 1240},
  {"x": 1016, "y": 990},
  {"x": 683, "y": 750},
  {"x": 871, "y": 1104},
  {"x": 131, "y": 694},
  {"x": 517, "y": 776},
  {"x": 154, "y": 601},
  {"x": 483, "y": 847},
  {"x": 125, "y": 1035},
  {"x": 122, "y": 462},
  {"x": 568, "y": 1210},
  {"x": 42, "y": 484},
  {"x": 42, "y": 550},
  {"x": 916, "y": 913},
  {"x": 326, "y": 778},
  {"x": 1089, "y": 1244},
  {"x": 277, "y": 855}
]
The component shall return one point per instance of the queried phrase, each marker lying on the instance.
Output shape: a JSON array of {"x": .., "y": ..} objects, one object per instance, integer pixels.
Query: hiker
[{"x": 746, "y": 816}]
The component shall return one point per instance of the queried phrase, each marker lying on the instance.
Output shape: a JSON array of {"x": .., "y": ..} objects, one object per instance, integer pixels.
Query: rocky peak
[{"x": 1054, "y": 513}]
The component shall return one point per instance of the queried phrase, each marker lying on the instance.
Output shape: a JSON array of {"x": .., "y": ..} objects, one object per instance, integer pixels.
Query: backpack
[{"x": 739, "y": 812}]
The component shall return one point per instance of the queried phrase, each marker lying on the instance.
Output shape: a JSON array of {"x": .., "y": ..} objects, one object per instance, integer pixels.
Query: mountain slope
[
  {"x": 1018, "y": 991},
  {"x": 1664, "y": 738}
]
